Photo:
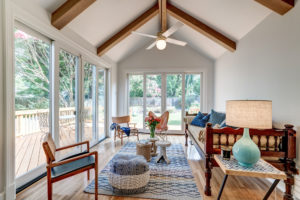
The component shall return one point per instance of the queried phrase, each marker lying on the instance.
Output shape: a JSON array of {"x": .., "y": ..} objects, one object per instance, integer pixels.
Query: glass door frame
[
  {"x": 78, "y": 93},
  {"x": 164, "y": 95},
  {"x": 38, "y": 171},
  {"x": 95, "y": 128}
]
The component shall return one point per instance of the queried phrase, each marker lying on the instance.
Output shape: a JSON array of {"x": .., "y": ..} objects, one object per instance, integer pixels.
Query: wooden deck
[{"x": 29, "y": 151}]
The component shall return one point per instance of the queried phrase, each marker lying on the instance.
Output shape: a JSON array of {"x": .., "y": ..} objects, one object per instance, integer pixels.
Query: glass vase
[{"x": 152, "y": 131}]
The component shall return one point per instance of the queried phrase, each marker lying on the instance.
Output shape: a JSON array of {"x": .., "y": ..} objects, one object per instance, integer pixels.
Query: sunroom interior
[{"x": 69, "y": 67}]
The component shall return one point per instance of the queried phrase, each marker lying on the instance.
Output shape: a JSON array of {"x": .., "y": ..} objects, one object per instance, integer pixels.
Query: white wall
[
  {"x": 266, "y": 65},
  {"x": 172, "y": 59}
]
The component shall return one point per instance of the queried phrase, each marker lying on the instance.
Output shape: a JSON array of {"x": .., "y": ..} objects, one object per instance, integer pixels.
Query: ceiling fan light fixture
[{"x": 161, "y": 44}]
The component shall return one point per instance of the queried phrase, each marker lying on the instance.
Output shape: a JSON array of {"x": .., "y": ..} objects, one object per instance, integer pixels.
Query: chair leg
[
  {"x": 137, "y": 135},
  {"x": 88, "y": 175},
  {"x": 96, "y": 178},
  {"x": 49, "y": 189},
  {"x": 121, "y": 139},
  {"x": 49, "y": 184}
]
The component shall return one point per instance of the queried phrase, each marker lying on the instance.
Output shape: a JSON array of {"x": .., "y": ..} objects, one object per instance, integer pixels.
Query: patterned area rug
[{"x": 173, "y": 181}]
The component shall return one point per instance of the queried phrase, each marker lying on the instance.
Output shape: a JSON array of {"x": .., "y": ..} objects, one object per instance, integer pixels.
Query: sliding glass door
[
  {"x": 56, "y": 91},
  {"x": 32, "y": 99},
  {"x": 153, "y": 93},
  {"x": 101, "y": 104},
  {"x": 68, "y": 94},
  {"x": 174, "y": 100},
  {"x": 176, "y": 93},
  {"x": 89, "y": 100},
  {"x": 192, "y": 93}
]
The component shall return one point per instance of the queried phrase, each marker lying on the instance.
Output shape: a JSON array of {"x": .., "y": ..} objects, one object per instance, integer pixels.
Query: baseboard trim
[{"x": 10, "y": 192}]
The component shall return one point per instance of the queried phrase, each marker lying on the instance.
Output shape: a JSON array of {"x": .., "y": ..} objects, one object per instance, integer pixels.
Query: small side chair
[
  {"x": 119, "y": 132},
  {"x": 58, "y": 170}
]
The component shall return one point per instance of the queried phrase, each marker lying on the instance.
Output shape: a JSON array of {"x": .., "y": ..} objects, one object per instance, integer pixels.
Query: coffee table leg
[
  {"x": 271, "y": 189},
  {"x": 222, "y": 187}
]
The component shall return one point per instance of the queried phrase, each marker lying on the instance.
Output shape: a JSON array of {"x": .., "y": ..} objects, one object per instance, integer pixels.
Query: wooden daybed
[{"x": 278, "y": 147}]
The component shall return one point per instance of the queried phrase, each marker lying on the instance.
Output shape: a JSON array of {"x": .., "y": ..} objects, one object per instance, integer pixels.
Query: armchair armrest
[
  {"x": 188, "y": 119},
  {"x": 55, "y": 164},
  {"x": 74, "y": 145}
]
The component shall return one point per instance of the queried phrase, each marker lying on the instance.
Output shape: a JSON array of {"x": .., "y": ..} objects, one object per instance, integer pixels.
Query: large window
[
  {"x": 101, "y": 104},
  {"x": 174, "y": 100},
  {"x": 89, "y": 101},
  {"x": 57, "y": 91},
  {"x": 161, "y": 92},
  {"x": 136, "y": 95},
  {"x": 192, "y": 93},
  {"x": 32, "y": 89},
  {"x": 68, "y": 64},
  {"x": 153, "y": 93}
]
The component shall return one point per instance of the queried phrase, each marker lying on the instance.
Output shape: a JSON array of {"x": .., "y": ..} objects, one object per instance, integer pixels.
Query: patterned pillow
[
  {"x": 200, "y": 120},
  {"x": 216, "y": 117}
]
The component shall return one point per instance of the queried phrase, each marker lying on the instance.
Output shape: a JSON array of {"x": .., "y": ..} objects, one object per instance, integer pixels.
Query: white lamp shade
[{"x": 249, "y": 114}]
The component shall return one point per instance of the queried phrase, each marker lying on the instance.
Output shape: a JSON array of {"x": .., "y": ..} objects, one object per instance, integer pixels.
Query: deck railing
[{"x": 35, "y": 121}]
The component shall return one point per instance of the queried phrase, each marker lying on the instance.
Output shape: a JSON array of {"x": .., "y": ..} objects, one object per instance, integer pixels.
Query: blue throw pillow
[
  {"x": 200, "y": 115},
  {"x": 216, "y": 117},
  {"x": 200, "y": 120}
]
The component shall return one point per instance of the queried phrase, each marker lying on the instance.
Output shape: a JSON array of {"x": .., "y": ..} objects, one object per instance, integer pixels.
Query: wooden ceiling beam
[
  {"x": 279, "y": 6},
  {"x": 201, "y": 27},
  {"x": 126, "y": 31},
  {"x": 163, "y": 14},
  {"x": 68, "y": 11}
]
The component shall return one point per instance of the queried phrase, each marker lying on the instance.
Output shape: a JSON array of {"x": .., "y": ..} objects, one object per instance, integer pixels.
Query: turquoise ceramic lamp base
[{"x": 245, "y": 150}]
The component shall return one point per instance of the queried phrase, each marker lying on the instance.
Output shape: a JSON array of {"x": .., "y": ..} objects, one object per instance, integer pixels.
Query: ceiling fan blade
[
  {"x": 173, "y": 29},
  {"x": 143, "y": 34},
  {"x": 151, "y": 46},
  {"x": 177, "y": 42}
]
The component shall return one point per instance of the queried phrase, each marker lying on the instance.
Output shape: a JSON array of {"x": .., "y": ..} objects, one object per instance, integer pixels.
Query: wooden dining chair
[
  {"x": 119, "y": 132},
  {"x": 75, "y": 164}
]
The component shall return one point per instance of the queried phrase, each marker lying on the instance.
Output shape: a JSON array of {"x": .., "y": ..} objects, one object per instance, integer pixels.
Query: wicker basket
[{"x": 144, "y": 149}]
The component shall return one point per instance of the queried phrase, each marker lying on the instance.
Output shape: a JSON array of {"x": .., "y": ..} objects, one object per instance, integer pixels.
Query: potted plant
[{"x": 151, "y": 122}]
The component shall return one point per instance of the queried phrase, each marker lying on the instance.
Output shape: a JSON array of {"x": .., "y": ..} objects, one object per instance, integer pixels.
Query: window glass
[{"x": 32, "y": 89}]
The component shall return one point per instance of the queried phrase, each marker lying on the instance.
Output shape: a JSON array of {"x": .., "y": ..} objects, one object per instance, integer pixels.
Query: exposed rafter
[
  {"x": 163, "y": 14},
  {"x": 279, "y": 6},
  {"x": 126, "y": 31},
  {"x": 201, "y": 27},
  {"x": 68, "y": 11}
]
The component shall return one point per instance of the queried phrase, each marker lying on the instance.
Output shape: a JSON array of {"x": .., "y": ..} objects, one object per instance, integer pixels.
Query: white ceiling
[{"x": 233, "y": 18}]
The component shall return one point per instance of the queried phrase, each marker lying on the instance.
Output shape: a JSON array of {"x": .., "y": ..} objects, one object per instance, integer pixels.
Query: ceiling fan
[{"x": 162, "y": 37}]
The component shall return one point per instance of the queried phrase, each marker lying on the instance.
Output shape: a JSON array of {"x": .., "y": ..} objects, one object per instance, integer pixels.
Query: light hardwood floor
[{"x": 237, "y": 188}]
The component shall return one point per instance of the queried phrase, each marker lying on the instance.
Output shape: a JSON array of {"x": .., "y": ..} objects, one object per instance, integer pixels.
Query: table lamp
[{"x": 256, "y": 114}]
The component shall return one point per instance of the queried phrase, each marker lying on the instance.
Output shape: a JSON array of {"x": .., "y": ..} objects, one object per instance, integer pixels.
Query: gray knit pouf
[{"x": 129, "y": 174}]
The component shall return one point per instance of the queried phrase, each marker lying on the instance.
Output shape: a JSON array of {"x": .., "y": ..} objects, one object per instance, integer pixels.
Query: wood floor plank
[{"x": 72, "y": 188}]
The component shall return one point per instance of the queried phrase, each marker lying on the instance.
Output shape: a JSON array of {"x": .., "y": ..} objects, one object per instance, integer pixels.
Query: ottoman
[{"x": 129, "y": 174}]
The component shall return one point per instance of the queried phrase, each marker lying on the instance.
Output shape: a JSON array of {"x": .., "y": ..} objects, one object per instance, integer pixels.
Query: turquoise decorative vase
[{"x": 245, "y": 151}]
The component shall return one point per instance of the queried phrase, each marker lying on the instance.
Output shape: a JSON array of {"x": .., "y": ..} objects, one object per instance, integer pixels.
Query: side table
[
  {"x": 153, "y": 147},
  {"x": 163, "y": 151},
  {"x": 261, "y": 169}
]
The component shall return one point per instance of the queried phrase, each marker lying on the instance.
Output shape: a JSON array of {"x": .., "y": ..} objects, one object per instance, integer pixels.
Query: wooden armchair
[
  {"x": 70, "y": 166},
  {"x": 119, "y": 132}
]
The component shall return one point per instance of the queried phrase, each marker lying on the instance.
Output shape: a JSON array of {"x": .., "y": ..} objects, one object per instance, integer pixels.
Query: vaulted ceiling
[{"x": 104, "y": 18}]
